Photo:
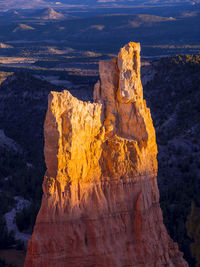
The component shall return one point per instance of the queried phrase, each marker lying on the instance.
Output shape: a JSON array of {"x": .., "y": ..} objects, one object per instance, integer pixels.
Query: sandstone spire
[{"x": 100, "y": 205}]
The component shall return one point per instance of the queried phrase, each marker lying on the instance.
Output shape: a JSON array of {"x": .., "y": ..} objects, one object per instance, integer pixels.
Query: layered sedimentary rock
[{"x": 100, "y": 206}]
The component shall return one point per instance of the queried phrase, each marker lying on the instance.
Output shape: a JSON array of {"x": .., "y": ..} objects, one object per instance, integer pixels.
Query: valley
[
  {"x": 70, "y": 42},
  {"x": 50, "y": 49}
]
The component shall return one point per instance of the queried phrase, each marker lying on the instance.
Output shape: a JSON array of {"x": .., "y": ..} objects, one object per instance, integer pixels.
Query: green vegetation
[
  {"x": 6, "y": 239},
  {"x": 17, "y": 179},
  {"x": 189, "y": 60},
  {"x": 174, "y": 98},
  {"x": 22, "y": 171},
  {"x": 193, "y": 229},
  {"x": 25, "y": 219}
]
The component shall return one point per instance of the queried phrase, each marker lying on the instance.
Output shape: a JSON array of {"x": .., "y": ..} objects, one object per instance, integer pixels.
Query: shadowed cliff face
[{"x": 100, "y": 204}]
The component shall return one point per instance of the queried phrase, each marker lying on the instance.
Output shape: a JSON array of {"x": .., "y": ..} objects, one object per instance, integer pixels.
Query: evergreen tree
[{"x": 193, "y": 230}]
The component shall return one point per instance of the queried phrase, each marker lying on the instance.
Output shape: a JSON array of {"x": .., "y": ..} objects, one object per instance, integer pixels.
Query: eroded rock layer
[{"x": 100, "y": 206}]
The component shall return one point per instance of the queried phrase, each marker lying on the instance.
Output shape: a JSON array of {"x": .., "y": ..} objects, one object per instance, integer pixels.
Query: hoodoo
[{"x": 100, "y": 206}]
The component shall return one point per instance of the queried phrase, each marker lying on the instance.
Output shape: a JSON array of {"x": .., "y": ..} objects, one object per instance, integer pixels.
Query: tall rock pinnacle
[{"x": 100, "y": 206}]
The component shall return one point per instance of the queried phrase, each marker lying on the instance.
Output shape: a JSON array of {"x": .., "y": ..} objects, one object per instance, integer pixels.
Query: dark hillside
[{"x": 173, "y": 95}]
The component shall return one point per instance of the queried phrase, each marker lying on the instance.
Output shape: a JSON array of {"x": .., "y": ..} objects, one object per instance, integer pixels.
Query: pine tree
[{"x": 193, "y": 230}]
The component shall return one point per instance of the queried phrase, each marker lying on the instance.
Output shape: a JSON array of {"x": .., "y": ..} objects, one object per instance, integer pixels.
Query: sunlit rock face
[{"x": 100, "y": 206}]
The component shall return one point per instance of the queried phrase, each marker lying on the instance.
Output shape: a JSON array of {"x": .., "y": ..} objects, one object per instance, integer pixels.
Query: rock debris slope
[{"x": 100, "y": 206}]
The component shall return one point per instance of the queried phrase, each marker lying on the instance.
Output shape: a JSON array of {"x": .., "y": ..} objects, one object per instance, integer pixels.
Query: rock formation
[
  {"x": 50, "y": 14},
  {"x": 100, "y": 206}
]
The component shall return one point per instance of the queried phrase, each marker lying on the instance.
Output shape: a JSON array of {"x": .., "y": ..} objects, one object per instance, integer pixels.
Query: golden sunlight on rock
[{"x": 100, "y": 206}]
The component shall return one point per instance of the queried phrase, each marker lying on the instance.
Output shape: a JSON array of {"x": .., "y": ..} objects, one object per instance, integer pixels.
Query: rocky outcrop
[
  {"x": 50, "y": 14},
  {"x": 100, "y": 205}
]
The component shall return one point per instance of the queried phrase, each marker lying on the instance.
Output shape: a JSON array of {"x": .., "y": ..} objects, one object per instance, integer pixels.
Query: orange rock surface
[{"x": 100, "y": 206}]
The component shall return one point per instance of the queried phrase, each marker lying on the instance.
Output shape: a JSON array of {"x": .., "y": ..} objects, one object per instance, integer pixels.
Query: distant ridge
[
  {"x": 2, "y": 45},
  {"x": 27, "y": 4},
  {"x": 49, "y": 14},
  {"x": 23, "y": 27}
]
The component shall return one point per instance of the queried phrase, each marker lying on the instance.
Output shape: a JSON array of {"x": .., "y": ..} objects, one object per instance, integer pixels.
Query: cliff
[{"x": 100, "y": 205}]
